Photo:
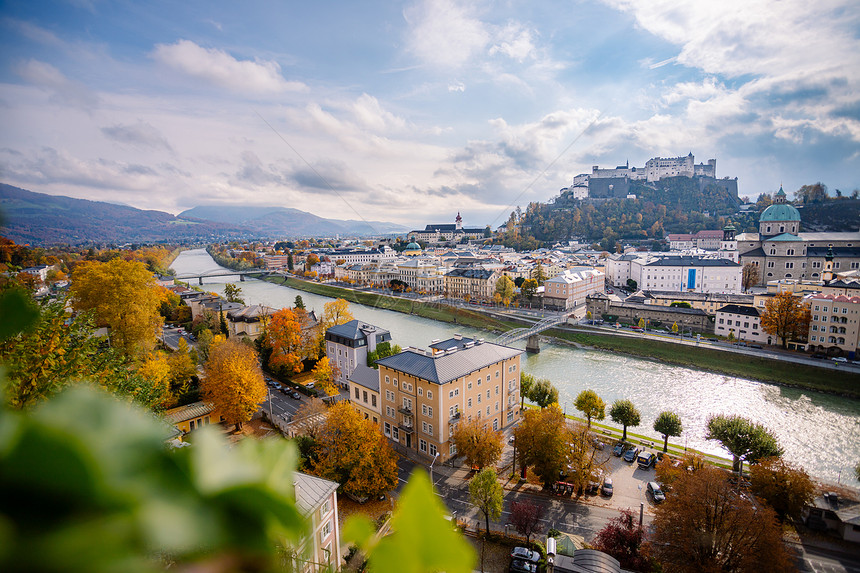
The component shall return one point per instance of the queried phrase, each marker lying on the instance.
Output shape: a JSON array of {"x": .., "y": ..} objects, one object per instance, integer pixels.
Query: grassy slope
[{"x": 764, "y": 369}]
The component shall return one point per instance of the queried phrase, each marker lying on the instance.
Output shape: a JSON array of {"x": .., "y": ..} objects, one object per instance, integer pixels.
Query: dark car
[
  {"x": 619, "y": 448},
  {"x": 520, "y": 566},
  {"x": 655, "y": 491},
  {"x": 285, "y": 391},
  {"x": 629, "y": 455},
  {"x": 525, "y": 554},
  {"x": 607, "y": 487},
  {"x": 295, "y": 395},
  {"x": 818, "y": 356}
]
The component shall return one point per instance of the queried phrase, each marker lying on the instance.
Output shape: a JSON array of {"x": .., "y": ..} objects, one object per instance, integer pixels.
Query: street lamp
[{"x": 431, "y": 468}]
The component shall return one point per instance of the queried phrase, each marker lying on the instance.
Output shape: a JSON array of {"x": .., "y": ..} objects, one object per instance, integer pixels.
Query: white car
[{"x": 840, "y": 359}]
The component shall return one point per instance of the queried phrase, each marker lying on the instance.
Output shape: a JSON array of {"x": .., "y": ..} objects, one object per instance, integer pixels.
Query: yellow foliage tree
[
  {"x": 125, "y": 298},
  {"x": 233, "y": 381},
  {"x": 355, "y": 454},
  {"x": 478, "y": 444},
  {"x": 324, "y": 376},
  {"x": 785, "y": 316},
  {"x": 334, "y": 313},
  {"x": 156, "y": 370}
]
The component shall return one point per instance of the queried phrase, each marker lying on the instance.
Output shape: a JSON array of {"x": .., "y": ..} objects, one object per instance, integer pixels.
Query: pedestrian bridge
[
  {"x": 220, "y": 273},
  {"x": 532, "y": 332}
]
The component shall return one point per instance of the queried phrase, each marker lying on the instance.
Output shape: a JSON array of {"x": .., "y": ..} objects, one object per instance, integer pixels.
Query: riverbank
[{"x": 768, "y": 370}]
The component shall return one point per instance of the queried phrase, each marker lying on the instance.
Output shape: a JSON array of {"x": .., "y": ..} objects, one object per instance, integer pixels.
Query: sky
[{"x": 413, "y": 111}]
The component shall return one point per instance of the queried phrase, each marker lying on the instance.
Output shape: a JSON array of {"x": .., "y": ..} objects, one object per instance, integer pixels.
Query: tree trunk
[
  {"x": 736, "y": 464},
  {"x": 665, "y": 443},
  {"x": 624, "y": 437},
  {"x": 487, "y": 517}
]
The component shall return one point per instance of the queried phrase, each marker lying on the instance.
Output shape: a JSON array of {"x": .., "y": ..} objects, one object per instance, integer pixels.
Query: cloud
[
  {"x": 457, "y": 87},
  {"x": 219, "y": 68},
  {"x": 513, "y": 41},
  {"x": 62, "y": 89},
  {"x": 444, "y": 35},
  {"x": 140, "y": 135}
]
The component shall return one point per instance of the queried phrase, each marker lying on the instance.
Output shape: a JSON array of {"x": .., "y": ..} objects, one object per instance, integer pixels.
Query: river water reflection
[{"x": 818, "y": 431}]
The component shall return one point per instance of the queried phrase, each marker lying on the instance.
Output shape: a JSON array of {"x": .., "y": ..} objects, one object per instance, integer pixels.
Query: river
[{"x": 818, "y": 431}]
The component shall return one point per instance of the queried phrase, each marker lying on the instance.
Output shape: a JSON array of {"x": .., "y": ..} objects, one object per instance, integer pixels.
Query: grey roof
[
  {"x": 311, "y": 491},
  {"x": 355, "y": 330},
  {"x": 691, "y": 262},
  {"x": 739, "y": 309},
  {"x": 587, "y": 561},
  {"x": 443, "y": 367},
  {"x": 838, "y": 252},
  {"x": 365, "y": 376},
  {"x": 471, "y": 273},
  {"x": 188, "y": 412},
  {"x": 452, "y": 343}
]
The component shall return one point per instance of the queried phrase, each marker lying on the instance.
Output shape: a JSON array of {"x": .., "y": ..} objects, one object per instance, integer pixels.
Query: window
[
  {"x": 395, "y": 383},
  {"x": 450, "y": 393},
  {"x": 429, "y": 395},
  {"x": 407, "y": 404},
  {"x": 488, "y": 410},
  {"x": 326, "y": 530},
  {"x": 497, "y": 373},
  {"x": 469, "y": 386},
  {"x": 364, "y": 396},
  {"x": 387, "y": 429},
  {"x": 356, "y": 392},
  {"x": 422, "y": 445},
  {"x": 373, "y": 400},
  {"x": 389, "y": 411},
  {"x": 488, "y": 377},
  {"x": 479, "y": 398},
  {"x": 497, "y": 389},
  {"x": 395, "y": 433},
  {"x": 429, "y": 429},
  {"x": 488, "y": 394},
  {"x": 496, "y": 424},
  {"x": 469, "y": 403},
  {"x": 324, "y": 509},
  {"x": 424, "y": 409},
  {"x": 433, "y": 450},
  {"x": 420, "y": 391},
  {"x": 452, "y": 449},
  {"x": 387, "y": 381},
  {"x": 789, "y": 265},
  {"x": 497, "y": 406},
  {"x": 430, "y": 411}
]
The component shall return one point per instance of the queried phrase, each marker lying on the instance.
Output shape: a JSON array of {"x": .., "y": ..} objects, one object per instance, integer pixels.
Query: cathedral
[{"x": 781, "y": 251}]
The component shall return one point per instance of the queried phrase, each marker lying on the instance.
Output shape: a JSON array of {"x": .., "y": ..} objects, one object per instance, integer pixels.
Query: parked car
[
  {"x": 295, "y": 395},
  {"x": 645, "y": 460},
  {"x": 607, "y": 487},
  {"x": 525, "y": 554},
  {"x": 818, "y": 356},
  {"x": 630, "y": 455},
  {"x": 840, "y": 359},
  {"x": 511, "y": 439},
  {"x": 520, "y": 566},
  {"x": 284, "y": 391},
  {"x": 309, "y": 384},
  {"x": 598, "y": 445},
  {"x": 656, "y": 493},
  {"x": 618, "y": 450}
]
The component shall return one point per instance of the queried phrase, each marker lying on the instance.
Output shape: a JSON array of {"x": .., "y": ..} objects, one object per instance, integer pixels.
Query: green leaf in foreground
[{"x": 423, "y": 540}]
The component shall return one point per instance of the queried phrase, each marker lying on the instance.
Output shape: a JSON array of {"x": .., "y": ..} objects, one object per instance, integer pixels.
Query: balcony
[
  {"x": 455, "y": 418},
  {"x": 404, "y": 410},
  {"x": 404, "y": 427}
]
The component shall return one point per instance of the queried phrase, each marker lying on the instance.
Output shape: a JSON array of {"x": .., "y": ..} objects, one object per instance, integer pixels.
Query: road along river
[{"x": 818, "y": 431}]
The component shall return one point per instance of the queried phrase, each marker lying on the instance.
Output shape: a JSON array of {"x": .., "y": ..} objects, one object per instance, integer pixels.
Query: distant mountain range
[{"x": 41, "y": 219}]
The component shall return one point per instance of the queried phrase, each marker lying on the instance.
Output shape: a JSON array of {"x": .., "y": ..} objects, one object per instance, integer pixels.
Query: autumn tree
[
  {"x": 354, "y": 453},
  {"x": 505, "y": 287},
  {"x": 584, "y": 461},
  {"x": 815, "y": 193},
  {"x": 486, "y": 494},
  {"x": 233, "y": 293},
  {"x": 785, "y": 316},
  {"x": 668, "y": 470},
  {"x": 543, "y": 393},
  {"x": 323, "y": 375},
  {"x": 668, "y": 424},
  {"x": 284, "y": 337},
  {"x": 526, "y": 517},
  {"x": 623, "y": 539},
  {"x": 786, "y": 488},
  {"x": 233, "y": 381},
  {"x": 749, "y": 276},
  {"x": 124, "y": 297},
  {"x": 591, "y": 405},
  {"x": 334, "y": 313},
  {"x": 538, "y": 274},
  {"x": 479, "y": 445},
  {"x": 61, "y": 349},
  {"x": 744, "y": 439},
  {"x": 543, "y": 442},
  {"x": 625, "y": 413},
  {"x": 706, "y": 525}
]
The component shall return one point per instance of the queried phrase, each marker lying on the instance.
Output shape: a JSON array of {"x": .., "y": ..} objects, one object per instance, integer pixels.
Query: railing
[
  {"x": 519, "y": 333},
  {"x": 455, "y": 418},
  {"x": 405, "y": 410},
  {"x": 406, "y": 427}
]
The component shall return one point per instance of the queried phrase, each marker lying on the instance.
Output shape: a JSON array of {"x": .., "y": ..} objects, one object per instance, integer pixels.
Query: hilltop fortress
[{"x": 605, "y": 183}]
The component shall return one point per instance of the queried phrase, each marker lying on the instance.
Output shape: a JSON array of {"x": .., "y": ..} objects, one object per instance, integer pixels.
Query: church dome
[
  {"x": 779, "y": 212},
  {"x": 413, "y": 247}
]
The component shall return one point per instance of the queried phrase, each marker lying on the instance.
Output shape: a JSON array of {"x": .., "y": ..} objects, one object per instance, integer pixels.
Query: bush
[{"x": 553, "y": 532}]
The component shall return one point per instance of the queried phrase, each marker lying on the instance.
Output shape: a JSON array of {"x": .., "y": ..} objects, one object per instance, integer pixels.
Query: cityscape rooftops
[{"x": 456, "y": 362}]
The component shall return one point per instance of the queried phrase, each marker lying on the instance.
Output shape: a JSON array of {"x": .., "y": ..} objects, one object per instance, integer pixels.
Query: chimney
[{"x": 458, "y": 337}]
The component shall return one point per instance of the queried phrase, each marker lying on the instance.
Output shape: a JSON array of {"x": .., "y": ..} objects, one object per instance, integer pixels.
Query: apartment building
[
  {"x": 570, "y": 288},
  {"x": 316, "y": 499},
  {"x": 364, "y": 392},
  {"x": 425, "y": 393},
  {"x": 742, "y": 322},
  {"x": 347, "y": 345},
  {"x": 474, "y": 283},
  {"x": 834, "y": 326}
]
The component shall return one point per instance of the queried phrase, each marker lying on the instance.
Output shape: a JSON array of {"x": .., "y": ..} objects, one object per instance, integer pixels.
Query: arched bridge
[
  {"x": 220, "y": 273},
  {"x": 532, "y": 332}
]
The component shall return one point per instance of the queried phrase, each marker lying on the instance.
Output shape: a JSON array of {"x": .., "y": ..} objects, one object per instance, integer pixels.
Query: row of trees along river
[{"x": 818, "y": 431}]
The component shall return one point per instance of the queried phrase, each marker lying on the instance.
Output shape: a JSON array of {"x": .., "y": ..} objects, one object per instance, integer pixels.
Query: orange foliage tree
[
  {"x": 324, "y": 374},
  {"x": 284, "y": 337},
  {"x": 480, "y": 445},
  {"x": 785, "y": 316},
  {"x": 233, "y": 381},
  {"x": 354, "y": 453}
]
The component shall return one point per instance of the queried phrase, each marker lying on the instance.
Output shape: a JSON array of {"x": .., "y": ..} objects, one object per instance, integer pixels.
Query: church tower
[
  {"x": 827, "y": 275},
  {"x": 729, "y": 245},
  {"x": 459, "y": 222}
]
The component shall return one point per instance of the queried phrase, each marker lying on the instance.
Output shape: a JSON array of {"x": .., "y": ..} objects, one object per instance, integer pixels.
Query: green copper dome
[
  {"x": 413, "y": 247},
  {"x": 779, "y": 212}
]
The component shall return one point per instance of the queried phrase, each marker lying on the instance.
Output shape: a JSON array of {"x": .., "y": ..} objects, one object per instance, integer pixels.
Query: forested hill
[{"x": 674, "y": 205}]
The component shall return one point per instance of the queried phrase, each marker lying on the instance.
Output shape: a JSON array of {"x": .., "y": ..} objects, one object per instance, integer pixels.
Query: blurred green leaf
[
  {"x": 18, "y": 312},
  {"x": 359, "y": 529},
  {"x": 423, "y": 539}
]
